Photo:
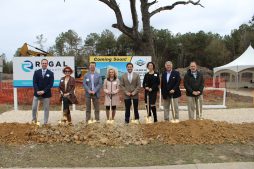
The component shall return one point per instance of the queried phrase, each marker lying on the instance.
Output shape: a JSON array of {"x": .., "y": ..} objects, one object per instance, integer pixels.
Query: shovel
[
  {"x": 148, "y": 118},
  {"x": 63, "y": 120},
  {"x": 110, "y": 121},
  {"x": 198, "y": 107},
  {"x": 133, "y": 120},
  {"x": 174, "y": 120},
  {"x": 92, "y": 118}
]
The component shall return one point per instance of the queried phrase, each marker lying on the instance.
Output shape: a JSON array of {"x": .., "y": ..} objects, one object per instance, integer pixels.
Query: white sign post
[
  {"x": 24, "y": 67},
  {"x": 1, "y": 68}
]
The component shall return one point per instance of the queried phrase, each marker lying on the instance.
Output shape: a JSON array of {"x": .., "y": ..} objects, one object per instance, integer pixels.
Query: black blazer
[
  {"x": 152, "y": 82},
  {"x": 173, "y": 83},
  {"x": 45, "y": 84}
]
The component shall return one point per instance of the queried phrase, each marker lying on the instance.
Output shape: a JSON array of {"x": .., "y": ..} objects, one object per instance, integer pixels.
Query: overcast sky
[{"x": 22, "y": 20}]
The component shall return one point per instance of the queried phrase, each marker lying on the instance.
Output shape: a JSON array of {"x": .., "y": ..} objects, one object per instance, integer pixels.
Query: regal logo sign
[{"x": 24, "y": 67}]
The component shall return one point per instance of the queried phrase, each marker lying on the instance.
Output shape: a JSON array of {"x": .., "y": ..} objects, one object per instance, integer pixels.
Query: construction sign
[
  {"x": 103, "y": 63},
  {"x": 24, "y": 67}
]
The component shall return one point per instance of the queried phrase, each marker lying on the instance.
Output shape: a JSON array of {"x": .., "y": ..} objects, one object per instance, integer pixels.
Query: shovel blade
[
  {"x": 174, "y": 121},
  {"x": 149, "y": 120}
]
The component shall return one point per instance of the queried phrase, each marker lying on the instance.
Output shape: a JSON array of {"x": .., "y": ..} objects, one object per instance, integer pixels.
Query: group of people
[{"x": 129, "y": 84}]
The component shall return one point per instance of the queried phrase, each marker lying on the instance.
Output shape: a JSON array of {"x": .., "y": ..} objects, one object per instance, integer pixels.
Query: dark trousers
[
  {"x": 66, "y": 103},
  {"x": 152, "y": 104},
  {"x": 66, "y": 108},
  {"x": 152, "y": 97},
  {"x": 128, "y": 103}
]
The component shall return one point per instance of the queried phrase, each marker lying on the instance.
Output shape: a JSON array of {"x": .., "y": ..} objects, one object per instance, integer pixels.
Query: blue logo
[
  {"x": 27, "y": 66},
  {"x": 140, "y": 62}
]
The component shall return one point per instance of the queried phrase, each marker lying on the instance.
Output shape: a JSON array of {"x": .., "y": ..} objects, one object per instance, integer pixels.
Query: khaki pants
[
  {"x": 194, "y": 104},
  {"x": 45, "y": 108},
  {"x": 166, "y": 104},
  {"x": 96, "y": 106}
]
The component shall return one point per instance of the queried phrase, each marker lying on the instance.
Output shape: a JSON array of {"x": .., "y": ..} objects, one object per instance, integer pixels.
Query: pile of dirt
[
  {"x": 199, "y": 132},
  {"x": 93, "y": 135},
  {"x": 15, "y": 133},
  {"x": 186, "y": 132}
]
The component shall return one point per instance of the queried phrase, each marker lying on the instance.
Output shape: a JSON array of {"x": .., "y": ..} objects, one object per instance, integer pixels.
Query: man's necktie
[{"x": 43, "y": 73}]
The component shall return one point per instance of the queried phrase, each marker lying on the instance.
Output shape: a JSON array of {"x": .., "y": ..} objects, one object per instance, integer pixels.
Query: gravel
[{"x": 229, "y": 115}]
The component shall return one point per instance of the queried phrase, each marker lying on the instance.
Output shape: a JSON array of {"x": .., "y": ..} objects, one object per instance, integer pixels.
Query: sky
[{"x": 22, "y": 20}]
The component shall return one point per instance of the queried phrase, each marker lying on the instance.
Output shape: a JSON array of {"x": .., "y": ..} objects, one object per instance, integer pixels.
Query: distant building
[{"x": 103, "y": 72}]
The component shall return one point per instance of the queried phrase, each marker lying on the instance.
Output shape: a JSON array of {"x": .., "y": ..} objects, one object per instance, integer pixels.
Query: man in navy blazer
[
  {"x": 170, "y": 82},
  {"x": 92, "y": 83},
  {"x": 43, "y": 80}
]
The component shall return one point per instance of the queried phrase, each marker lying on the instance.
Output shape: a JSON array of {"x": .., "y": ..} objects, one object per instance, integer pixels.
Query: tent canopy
[{"x": 245, "y": 61}]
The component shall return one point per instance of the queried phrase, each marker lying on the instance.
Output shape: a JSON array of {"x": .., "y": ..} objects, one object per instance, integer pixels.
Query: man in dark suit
[
  {"x": 43, "y": 81},
  {"x": 170, "y": 82}
]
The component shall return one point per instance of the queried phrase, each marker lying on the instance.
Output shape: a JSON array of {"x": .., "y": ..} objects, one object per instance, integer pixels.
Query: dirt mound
[
  {"x": 93, "y": 135},
  {"x": 186, "y": 132},
  {"x": 15, "y": 133},
  {"x": 199, "y": 132}
]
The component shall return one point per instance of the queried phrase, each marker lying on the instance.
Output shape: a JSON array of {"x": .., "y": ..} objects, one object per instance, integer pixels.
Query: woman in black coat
[{"x": 151, "y": 84}]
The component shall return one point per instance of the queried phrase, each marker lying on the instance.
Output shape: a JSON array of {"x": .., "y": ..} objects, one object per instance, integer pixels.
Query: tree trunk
[
  {"x": 143, "y": 41},
  {"x": 147, "y": 43}
]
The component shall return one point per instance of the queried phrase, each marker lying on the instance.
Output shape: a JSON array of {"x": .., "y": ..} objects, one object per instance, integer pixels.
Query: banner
[
  {"x": 24, "y": 67},
  {"x": 119, "y": 63}
]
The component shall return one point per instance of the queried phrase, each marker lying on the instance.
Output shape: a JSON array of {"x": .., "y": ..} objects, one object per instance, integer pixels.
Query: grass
[
  {"x": 5, "y": 107},
  {"x": 72, "y": 155}
]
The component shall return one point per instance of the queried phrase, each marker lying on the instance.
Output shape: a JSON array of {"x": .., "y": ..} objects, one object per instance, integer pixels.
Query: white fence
[{"x": 217, "y": 106}]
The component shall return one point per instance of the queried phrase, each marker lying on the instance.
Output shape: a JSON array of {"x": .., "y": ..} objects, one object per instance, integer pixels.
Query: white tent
[{"x": 243, "y": 62}]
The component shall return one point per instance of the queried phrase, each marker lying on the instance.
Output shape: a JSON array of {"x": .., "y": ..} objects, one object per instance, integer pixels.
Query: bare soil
[
  {"x": 185, "y": 132},
  {"x": 101, "y": 145}
]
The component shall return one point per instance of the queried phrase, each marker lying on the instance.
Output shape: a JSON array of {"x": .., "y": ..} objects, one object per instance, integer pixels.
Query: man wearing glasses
[{"x": 43, "y": 80}]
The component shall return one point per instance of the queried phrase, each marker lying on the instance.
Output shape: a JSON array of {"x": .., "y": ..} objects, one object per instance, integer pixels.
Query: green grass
[
  {"x": 72, "y": 155},
  {"x": 5, "y": 107}
]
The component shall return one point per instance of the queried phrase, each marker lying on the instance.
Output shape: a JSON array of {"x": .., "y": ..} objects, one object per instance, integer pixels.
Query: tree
[
  {"x": 91, "y": 42},
  {"x": 125, "y": 45},
  {"x": 216, "y": 53},
  {"x": 40, "y": 40},
  {"x": 69, "y": 44},
  {"x": 7, "y": 65},
  {"x": 144, "y": 40},
  {"x": 106, "y": 44}
]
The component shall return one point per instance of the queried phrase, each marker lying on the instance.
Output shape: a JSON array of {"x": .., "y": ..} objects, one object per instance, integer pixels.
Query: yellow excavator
[{"x": 26, "y": 51}]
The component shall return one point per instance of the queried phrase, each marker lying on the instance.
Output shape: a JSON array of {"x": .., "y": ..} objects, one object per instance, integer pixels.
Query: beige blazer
[
  {"x": 132, "y": 87},
  {"x": 113, "y": 87}
]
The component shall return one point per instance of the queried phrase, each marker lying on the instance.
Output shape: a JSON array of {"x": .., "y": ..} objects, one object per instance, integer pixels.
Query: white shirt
[
  {"x": 92, "y": 81},
  {"x": 168, "y": 75},
  {"x": 194, "y": 74},
  {"x": 44, "y": 72},
  {"x": 130, "y": 75}
]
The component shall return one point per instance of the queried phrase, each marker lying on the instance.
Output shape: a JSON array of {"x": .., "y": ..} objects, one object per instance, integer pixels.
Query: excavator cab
[{"x": 25, "y": 51}]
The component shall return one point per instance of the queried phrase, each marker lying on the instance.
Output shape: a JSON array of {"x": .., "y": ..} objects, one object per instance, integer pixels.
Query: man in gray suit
[
  {"x": 92, "y": 83},
  {"x": 130, "y": 84}
]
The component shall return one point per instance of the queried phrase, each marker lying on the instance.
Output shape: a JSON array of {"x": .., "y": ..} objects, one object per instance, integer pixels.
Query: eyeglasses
[{"x": 67, "y": 71}]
